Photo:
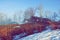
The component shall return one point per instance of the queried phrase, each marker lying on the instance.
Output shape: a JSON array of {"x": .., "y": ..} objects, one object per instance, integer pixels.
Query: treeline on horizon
[{"x": 28, "y": 13}]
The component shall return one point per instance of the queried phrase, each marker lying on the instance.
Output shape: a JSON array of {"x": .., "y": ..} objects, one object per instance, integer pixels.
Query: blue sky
[{"x": 11, "y": 6}]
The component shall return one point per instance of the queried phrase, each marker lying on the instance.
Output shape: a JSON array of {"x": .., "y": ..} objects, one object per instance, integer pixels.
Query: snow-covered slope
[{"x": 45, "y": 35}]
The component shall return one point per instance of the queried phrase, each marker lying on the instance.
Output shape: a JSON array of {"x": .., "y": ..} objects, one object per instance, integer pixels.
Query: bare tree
[
  {"x": 3, "y": 18},
  {"x": 17, "y": 17},
  {"x": 40, "y": 8},
  {"x": 14, "y": 17},
  {"x": 54, "y": 16},
  {"x": 28, "y": 13},
  {"x": 49, "y": 14}
]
